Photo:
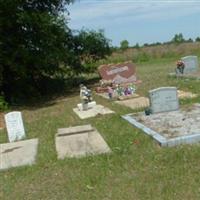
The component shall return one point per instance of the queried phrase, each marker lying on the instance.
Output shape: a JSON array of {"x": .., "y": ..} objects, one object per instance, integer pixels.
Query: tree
[
  {"x": 92, "y": 45},
  {"x": 36, "y": 43},
  {"x": 197, "y": 39},
  {"x": 124, "y": 44},
  {"x": 178, "y": 38}
]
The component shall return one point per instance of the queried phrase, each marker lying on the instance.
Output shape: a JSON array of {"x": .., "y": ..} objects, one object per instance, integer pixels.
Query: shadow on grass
[{"x": 50, "y": 92}]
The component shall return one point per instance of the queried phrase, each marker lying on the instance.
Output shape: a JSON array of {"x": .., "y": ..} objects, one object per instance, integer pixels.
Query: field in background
[
  {"x": 152, "y": 53},
  {"x": 138, "y": 167}
]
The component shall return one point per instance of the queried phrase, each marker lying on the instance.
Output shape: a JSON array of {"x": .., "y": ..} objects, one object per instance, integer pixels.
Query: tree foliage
[
  {"x": 124, "y": 44},
  {"x": 178, "y": 38},
  {"x": 36, "y": 42}
]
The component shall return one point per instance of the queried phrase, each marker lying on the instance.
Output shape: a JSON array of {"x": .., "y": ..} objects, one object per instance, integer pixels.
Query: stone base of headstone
[
  {"x": 120, "y": 98},
  {"x": 79, "y": 141},
  {"x": 191, "y": 75},
  {"x": 90, "y": 105},
  {"x": 135, "y": 103},
  {"x": 17, "y": 154},
  {"x": 92, "y": 112}
]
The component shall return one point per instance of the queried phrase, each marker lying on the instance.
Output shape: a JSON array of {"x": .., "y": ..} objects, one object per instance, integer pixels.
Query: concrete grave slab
[
  {"x": 18, "y": 153},
  {"x": 135, "y": 103},
  {"x": 105, "y": 96},
  {"x": 183, "y": 95},
  {"x": 170, "y": 128},
  {"x": 92, "y": 112},
  {"x": 79, "y": 141}
]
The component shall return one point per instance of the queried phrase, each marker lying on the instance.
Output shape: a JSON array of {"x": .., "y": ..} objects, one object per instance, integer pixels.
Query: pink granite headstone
[{"x": 118, "y": 73}]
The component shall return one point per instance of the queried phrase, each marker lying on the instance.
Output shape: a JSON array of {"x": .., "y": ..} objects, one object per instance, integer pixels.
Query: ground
[{"x": 137, "y": 168}]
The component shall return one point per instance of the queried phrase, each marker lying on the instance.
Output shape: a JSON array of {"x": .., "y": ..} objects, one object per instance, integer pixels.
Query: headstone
[
  {"x": 163, "y": 99},
  {"x": 14, "y": 125},
  {"x": 191, "y": 64},
  {"x": 118, "y": 73}
]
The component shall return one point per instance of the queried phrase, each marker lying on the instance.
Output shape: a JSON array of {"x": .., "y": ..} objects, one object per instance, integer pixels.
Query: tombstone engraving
[
  {"x": 118, "y": 73},
  {"x": 14, "y": 125},
  {"x": 191, "y": 64},
  {"x": 163, "y": 99}
]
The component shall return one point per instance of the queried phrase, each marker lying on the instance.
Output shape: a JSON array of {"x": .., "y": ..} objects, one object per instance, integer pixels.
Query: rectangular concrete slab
[
  {"x": 17, "y": 154},
  {"x": 80, "y": 144},
  {"x": 92, "y": 112},
  {"x": 136, "y": 103}
]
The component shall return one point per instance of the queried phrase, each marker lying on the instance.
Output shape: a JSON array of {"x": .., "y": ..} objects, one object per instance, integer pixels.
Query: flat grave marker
[
  {"x": 17, "y": 154},
  {"x": 79, "y": 141}
]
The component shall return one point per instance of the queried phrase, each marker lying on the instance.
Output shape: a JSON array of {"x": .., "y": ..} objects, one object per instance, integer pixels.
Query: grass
[{"x": 138, "y": 167}]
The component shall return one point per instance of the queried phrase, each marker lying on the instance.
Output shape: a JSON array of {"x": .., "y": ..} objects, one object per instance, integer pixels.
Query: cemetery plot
[
  {"x": 18, "y": 153},
  {"x": 170, "y": 128},
  {"x": 79, "y": 141}
]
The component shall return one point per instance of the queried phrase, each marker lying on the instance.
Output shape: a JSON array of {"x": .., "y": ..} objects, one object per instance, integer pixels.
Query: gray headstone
[
  {"x": 163, "y": 99},
  {"x": 14, "y": 125},
  {"x": 191, "y": 64}
]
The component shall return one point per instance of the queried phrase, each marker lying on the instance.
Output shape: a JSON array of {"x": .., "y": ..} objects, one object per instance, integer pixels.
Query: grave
[
  {"x": 168, "y": 125},
  {"x": 14, "y": 125},
  {"x": 120, "y": 77},
  {"x": 17, "y": 154},
  {"x": 140, "y": 102},
  {"x": 191, "y": 64},
  {"x": 190, "y": 69},
  {"x": 79, "y": 141},
  {"x": 92, "y": 112},
  {"x": 163, "y": 99},
  {"x": 170, "y": 128},
  {"x": 118, "y": 73}
]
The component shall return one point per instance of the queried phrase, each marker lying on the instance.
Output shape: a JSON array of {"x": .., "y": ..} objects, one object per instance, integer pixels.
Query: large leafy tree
[{"x": 35, "y": 42}]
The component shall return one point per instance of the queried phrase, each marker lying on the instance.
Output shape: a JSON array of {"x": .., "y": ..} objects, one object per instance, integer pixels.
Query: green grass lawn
[{"x": 138, "y": 167}]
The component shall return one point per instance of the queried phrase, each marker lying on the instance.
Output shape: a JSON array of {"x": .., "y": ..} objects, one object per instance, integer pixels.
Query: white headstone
[
  {"x": 14, "y": 125},
  {"x": 164, "y": 99},
  {"x": 191, "y": 64}
]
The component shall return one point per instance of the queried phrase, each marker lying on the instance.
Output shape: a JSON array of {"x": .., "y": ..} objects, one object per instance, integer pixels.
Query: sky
[{"x": 138, "y": 21}]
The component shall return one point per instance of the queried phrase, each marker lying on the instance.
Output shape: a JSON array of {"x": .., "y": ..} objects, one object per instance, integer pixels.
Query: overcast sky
[{"x": 138, "y": 21}]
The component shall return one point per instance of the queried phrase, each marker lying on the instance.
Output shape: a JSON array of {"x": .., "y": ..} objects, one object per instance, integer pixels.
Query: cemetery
[{"x": 84, "y": 116}]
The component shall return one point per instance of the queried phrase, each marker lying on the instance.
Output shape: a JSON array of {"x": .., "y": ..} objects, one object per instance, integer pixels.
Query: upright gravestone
[
  {"x": 14, "y": 125},
  {"x": 118, "y": 73},
  {"x": 191, "y": 64},
  {"x": 163, "y": 99}
]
